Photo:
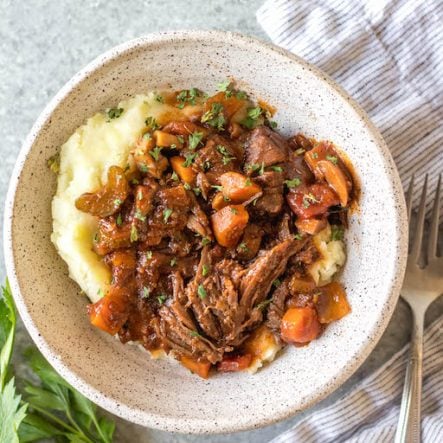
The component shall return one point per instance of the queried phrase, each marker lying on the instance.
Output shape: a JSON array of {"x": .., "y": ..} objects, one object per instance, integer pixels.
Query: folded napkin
[{"x": 388, "y": 54}]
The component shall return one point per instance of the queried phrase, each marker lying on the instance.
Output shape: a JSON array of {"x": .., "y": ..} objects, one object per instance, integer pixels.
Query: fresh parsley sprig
[{"x": 51, "y": 410}]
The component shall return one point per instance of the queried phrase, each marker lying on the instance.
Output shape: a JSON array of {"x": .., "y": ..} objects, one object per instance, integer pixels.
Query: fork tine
[
  {"x": 433, "y": 231},
  {"x": 416, "y": 246},
  {"x": 409, "y": 197}
]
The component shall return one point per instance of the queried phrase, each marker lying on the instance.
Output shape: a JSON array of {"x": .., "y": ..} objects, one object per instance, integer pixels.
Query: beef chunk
[
  {"x": 264, "y": 146},
  {"x": 271, "y": 202}
]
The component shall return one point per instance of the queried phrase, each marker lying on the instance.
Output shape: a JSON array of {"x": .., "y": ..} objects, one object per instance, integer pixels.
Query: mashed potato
[
  {"x": 333, "y": 257},
  {"x": 84, "y": 162}
]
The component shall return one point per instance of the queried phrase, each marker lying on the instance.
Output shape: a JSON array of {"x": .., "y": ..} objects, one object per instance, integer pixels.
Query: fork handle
[{"x": 409, "y": 423}]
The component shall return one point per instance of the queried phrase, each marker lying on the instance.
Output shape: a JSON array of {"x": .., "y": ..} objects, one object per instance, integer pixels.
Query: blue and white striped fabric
[{"x": 388, "y": 54}]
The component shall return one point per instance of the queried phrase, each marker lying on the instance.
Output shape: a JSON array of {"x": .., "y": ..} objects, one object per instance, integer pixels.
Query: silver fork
[{"x": 421, "y": 287}]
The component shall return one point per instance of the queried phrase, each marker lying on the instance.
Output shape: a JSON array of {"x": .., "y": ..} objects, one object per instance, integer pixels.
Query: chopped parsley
[
  {"x": 276, "y": 283},
  {"x": 197, "y": 191},
  {"x": 277, "y": 168},
  {"x": 205, "y": 270},
  {"x": 161, "y": 298},
  {"x": 174, "y": 176},
  {"x": 201, "y": 291},
  {"x": 206, "y": 241},
  {"x": 159, "y": 98},
  {"x": 166, "y": 214},
  {"x": 218, "y": 187},
  {"x": 187, "y": 186},
  {"x": 180, "y": 138},
  {"x": 148, "y": 255},
  {"x": 224, "y": 86},
  {"x": 54, "y": 163},
  {"x": 207, "y": 165},
  {"x": 194, "y": 139},
  {"x": 255, "y": 167},
  {"x": 114, "y": 112},
  {"x": 134, "y": 234},
  {"x": 252, "y": 116},
  {"x": 337, "y": 232},
  {"x": 152, "y": 123},
  {"x": 308, "y": 199},
  {"x": 242, "y": 246},
  {"x": 293, "y": 183},
  {"x": 248, "y": 182},
  {"x": 139, "y": 216},
  {"x": 189, "y": 159},
  {"x": 147, "y": 136},
  {"x": 263, "y": 304},
  {"x": 226, "y": 157},
  {"x": 117, "y": 202},
  {"x": 314, "y": 155},
  {"x": 332, "y": 159},
  {"x": 187, "y": 96},
  {"x": 273, "y": 124},
  {"x": 215, "y": 117},
  {"x": 297, "y": 236},
  {"x": 155, "y": 153},
  {"x": 234, "y": 210},
  {"x": 241, "y": 95},
  {"x": 119, "y": 220},
  {"x": 146, "y": 292},
  {"x": 194, "y": 334},
  {"x": 173, "y": 262}
]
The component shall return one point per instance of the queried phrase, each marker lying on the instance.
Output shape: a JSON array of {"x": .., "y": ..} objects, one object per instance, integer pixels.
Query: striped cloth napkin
[{"x": 388, "y": 54}]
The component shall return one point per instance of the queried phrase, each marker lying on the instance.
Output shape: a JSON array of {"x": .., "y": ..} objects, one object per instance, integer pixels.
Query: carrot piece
[
  {"x": 196, "y": 367},
  {"x": 219, "y": 202},
  {"x": 166, "y": 140},
  {"x": 111, "y": 312},
  {"x": 237, "y": 187},
  {"x": 300, "y": 325},
  {"x": 336, "y": 179},
  {"x": 301, "y": 285},
  {"x": 186, "y": 173},
  {"x": 230, "y": 104},
  {"x": 234, "y": 363},
  {"x": 332, "y": 303},
  {"x": 260, "y": 343},
  {"x": 228, "y": 224},
  {"x": 311, "y": 226}
]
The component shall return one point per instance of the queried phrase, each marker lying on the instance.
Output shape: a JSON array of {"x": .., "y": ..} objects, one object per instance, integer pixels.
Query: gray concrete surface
[{"x": 43, "y": 43}]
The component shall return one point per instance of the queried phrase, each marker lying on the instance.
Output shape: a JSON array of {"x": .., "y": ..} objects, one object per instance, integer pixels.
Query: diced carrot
[
  {"x": 228, "y": 224},
  {"x": 318, "y": 153},
  {"x": 260, "y": 343},
  {"x": 230, "y": 104},
  {"x": 301, "y": 285},
  {"x": 219, "y": 202},
  {"x": 186, "y": 173},
  {"x": 300, "y": 325},
  {"x": 237, "y": 187},
  {"x": 234, "y": 363},
  {"x": 166, "y": 140},
  {"x": 196, "y": 367},
  {"x": 110, "y": 312},
  {"x": 311, "y": 226},
  {"x": 332, "y": 303},
  {"x": 336, "y": 179}
]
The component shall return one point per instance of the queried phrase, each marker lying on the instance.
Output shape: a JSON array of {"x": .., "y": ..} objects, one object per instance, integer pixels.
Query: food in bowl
[{"x": 199, "y": 231}]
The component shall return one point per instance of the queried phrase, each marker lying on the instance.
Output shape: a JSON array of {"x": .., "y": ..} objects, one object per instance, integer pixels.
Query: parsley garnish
[
  {"x": 174, "y": 176},
  {"x": 241, "y": 95},
  {"x": 218, "y": 187},
  {"x": 251, "y": 120},
  {"x": 243, "y": 247},
  {"x": 224, "y": 86},
  {"x": 197, "y": 191},
  {"x": 194, "y": 139},
  {"x": 187, "y": 186},
  {"x": 117, "y": 202},
  {"x": 173, "y": 262},
  {"x": 308, "y": 199},
  {"x": 152, "y": 123},
  {"x": 155, "y": 153},
  {"x": 215, "y": 117},
  {"x": 207, "y": 165},
  {"x": 194, "y": 334},
  {"x": 255, "y": 167},
  {"x": 263, "y": 304},
  {"x": 314, "y": 155},
  {"x": 297, "y": 236},
  {"x": 206, "y": 241},
  {"x": 161, "y": 298},
  {"x": 119, "y": 220},
  {"x": 148, "y": 255},
  {"x": 248, "y": 182},
  {"x": 337, "y": 232},
  {"x": 332, "y": 159},
  {"x": 277, "y": 168},
  {"x": 205, "y": 270},
  {"x": 273, "y": 124},
  {"x": 166, "y": 214},
  {"x": 234, "y": 210},
  {"x": 54, "y": 163},
  {"x": 201, "y": 291},
  {"x": 139, "y": 216},
  {"x": 146, "y": 292},
  {"x": 226, "y": 157},
  {"x": 276, "y": 283},
  {"x": 134, "y": 234},
  {"x": 180, "y": 138},
  {"x": 114, "y": 112},
  {"x": 189, "y": 159},
  {"x": 187, "y": 95},
  {"x": 293, "y": 183}
]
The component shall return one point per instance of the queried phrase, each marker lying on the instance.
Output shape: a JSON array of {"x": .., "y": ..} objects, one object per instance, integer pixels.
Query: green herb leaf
[
  {"x": 243, "y": 247},
  {"x": 139, "y": 216},
  {"x": 54, "y": 163},
  {"x": 332, "y": 159},
  {"x": 308, "y": 199},
  {"x": 263, "y": 304},
  {"x": 197, "y": 191},
  {"x": 117, "y": 202},
  {"x": 252, "y": 117},
  {"x": 273, "y": 124},
  {"x": 146, "y": 292},
  {"x": 206, "y": 241},
  {"x": 173, "y": 262},
  {"x": 277, "y": 168},
  {"x": 148, "y": 255},
  {"x": 174, "y": 176},
  {"x": 205, "y": 270},
  {"x": 337, "y": 232},
  {"x": 224, "y": 86},
  {"x": 194, "y": 334},
  {"x": 276, "y": 283},
  {"x": 114, "y": 112},
  {"x": 134, "y": 234},
  {"x": 166, "y": 214},
  {"x": 189, "y": 159},
  {"x": 217, "y": 187},
  {"x": 215, "y": 117},
  {"x": 152, "y": 123},
  {"x": 293, "y": 183},
  {"x": 241, "y": 95},
  {"x": 226, "y": 155},
  {"x": 298, "y": 236},
  {"x": 155, "y": 153},
  {"x": 188, "y": 96},
  {"x": 201, "y": 291},
  {"x": 161, "y": 298},
  {"x": 248, "y": 182},
  {"x": 234, "y": 210},
  {"x": 194, "y": 139},
  {"x": 187, "y": 186}
]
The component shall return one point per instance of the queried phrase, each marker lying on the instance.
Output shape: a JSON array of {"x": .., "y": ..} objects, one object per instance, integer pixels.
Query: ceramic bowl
[{"x": 162, "y": 394}]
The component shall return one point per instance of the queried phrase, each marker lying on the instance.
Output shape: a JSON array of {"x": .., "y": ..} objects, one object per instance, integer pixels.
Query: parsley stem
[
  {"x": 52, "y": 417},
  {"x": 76, "y": 426}
]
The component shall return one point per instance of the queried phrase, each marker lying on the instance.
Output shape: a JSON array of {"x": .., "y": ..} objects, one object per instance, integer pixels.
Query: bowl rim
[{"x": 176, "y": 424}]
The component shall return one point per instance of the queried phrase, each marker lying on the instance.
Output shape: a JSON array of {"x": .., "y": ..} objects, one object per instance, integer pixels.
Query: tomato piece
[
  {"x": 234, "y": 363},
  {"x": 196, "y": 367},
  {"x": 332, "y": 303},
  {"x": 111, "y": 312},
  {"x": 311, "y": 201},
  {"x": 300, "y": 325}
]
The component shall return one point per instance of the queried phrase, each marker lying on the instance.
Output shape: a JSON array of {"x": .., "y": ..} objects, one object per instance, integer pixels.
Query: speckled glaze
[{"x": 161, "y": 394}]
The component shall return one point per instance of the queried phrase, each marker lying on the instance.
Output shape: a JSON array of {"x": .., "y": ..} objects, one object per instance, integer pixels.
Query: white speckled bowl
[{"x": 161, "y": 394}]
